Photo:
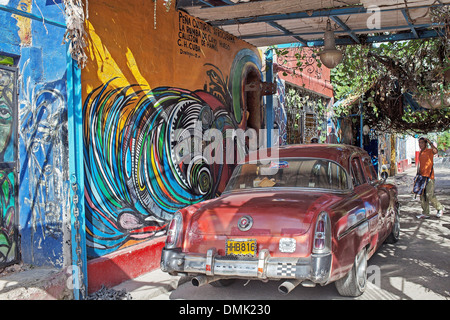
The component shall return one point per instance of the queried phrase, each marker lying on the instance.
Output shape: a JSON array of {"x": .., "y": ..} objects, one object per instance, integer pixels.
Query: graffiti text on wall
[{"x": 194, "y": 34}]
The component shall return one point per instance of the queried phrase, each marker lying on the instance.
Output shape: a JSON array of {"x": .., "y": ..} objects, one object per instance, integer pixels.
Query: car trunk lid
[{"x": 272, "y": 213}]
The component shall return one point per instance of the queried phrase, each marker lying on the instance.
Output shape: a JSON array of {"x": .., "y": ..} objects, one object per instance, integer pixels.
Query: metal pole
[
  {"x": 269, "y": 98},
  {"x": 361, "y": 144},
  {"x": 76, "y": 175}
]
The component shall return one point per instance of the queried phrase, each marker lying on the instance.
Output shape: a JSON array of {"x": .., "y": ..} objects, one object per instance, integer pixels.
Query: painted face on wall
[{"x": 6, "y": 122}]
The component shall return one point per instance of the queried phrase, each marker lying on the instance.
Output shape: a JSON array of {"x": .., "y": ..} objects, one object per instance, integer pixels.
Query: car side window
[
  {"x": 357, "y": 173},
  {"x": 370, "y": 170},
  {"x": 342, "y": 180}
]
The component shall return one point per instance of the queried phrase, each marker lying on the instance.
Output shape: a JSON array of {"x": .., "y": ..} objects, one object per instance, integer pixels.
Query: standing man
[{"x": 426, "y": 169}]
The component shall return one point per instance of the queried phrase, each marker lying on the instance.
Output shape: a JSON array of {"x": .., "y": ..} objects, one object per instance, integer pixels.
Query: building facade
[
  {"x": 34, "y": 200},
  {"x": 94, "y": 162}
]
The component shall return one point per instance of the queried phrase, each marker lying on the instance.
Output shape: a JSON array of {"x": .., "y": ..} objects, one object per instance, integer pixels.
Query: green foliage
[
  {"x": 443, "y": 142},
  {"x": 380, "y": 74},
  {"x": 4, "y": 60}
]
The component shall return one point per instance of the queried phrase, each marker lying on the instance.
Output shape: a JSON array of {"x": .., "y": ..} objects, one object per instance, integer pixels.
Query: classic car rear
[{"x": 305, "y": 217}]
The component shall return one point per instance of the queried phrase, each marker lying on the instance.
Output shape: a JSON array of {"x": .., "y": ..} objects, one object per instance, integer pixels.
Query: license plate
[{"x": 241, "y": 247}]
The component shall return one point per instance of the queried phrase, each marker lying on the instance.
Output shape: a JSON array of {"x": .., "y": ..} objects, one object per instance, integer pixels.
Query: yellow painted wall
[{"x": 125, "y": 42}]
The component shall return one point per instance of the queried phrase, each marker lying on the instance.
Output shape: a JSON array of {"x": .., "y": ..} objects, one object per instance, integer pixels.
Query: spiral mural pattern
[{"x": 144, "y": 156}]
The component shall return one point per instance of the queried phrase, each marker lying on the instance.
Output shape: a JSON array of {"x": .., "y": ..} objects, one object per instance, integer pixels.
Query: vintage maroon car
[{"x": 313, "y": 215}]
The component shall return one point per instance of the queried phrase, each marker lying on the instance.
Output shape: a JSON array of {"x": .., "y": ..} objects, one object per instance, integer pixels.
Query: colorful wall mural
[
  {"x": 7, "y": 114},
  {"x": 8, "y": 230},
  {"x": 42, "y": 177},
  {"x": 8, "y": 190},
  {"x": 141, "y": 102}
]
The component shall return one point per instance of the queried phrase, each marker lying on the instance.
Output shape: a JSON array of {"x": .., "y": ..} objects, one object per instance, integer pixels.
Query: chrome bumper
[{"x": 315, "y": 268}]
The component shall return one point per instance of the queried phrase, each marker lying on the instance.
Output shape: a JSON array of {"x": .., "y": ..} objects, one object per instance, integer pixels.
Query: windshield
[{"x": 289, "y": 173}]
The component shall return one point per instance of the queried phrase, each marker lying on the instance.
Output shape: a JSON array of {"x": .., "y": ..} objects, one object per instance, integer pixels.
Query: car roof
[{"x": 339, "y": 153}]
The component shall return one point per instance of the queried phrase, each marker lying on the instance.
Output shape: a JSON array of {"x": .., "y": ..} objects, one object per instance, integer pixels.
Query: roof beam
[
  {"x": 211, "y": 5},
  {"x": 305, "y": 15},
  {"x": 286, "y": 32},
  {"x": 206, "y": 3},
  {"x": 290, "y": 16},
  {"x": 346, "y": 28},
  {"x": 383, "y": 29},
  {"x": 410, "y": 23},
  {"x": 426, "y": 34}
]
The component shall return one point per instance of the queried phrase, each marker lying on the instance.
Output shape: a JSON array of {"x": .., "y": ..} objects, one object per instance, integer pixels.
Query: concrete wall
[
  {"x": 42, "y": 179},
  {"x": 146, "y": 82}
]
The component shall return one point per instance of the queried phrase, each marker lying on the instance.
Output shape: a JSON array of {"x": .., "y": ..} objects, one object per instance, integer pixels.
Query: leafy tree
[{"x": 383, "y": 74}]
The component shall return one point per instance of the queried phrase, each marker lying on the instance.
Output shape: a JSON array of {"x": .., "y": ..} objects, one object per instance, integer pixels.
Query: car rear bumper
[{"x": 315, "y": 268}]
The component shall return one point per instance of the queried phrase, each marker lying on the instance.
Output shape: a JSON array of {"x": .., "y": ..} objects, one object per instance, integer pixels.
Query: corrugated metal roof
[{"x": 276, "y": 22}]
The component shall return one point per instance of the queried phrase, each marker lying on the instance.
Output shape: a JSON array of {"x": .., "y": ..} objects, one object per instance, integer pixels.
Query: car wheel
[
  {"x": 354, "y": 283},
  {"x": 394, "y": 236},
  {"x": 222, "y": 283}
]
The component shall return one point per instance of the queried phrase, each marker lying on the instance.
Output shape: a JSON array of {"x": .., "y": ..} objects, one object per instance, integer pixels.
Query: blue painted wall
[{"x": 44, "y": 224}]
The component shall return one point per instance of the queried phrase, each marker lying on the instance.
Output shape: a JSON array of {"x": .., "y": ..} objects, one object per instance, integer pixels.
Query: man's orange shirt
[{"x": 426, "y": 163}]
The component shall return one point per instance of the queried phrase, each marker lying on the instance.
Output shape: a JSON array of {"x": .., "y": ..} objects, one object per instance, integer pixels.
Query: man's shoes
[
  {"x": 440, "y": 213},
  {"x": 422, "y": 216}
]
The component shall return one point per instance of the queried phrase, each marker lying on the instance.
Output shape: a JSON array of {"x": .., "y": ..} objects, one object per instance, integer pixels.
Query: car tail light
[
  {"x": 173, "y": 232},
  {"x": 322, "y": 234}
]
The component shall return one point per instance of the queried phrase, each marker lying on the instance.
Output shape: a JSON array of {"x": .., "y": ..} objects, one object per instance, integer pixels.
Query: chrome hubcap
[{"x": 361, "y": 270}]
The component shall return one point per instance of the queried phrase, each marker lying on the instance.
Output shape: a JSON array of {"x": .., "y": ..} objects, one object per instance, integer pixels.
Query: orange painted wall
[{"x": 125, "y": 42}]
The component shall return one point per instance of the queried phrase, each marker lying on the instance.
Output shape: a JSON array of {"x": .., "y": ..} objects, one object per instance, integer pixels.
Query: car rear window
[{"x": 289, "y": 173}]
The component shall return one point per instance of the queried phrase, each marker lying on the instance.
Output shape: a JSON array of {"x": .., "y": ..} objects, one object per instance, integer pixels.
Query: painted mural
[
  {"x": 8, "y": 224},
  {"x": 8, "y": 230},
  {"x": 136, "y": 176},
  {"x": 7, "y": 79},
  {"x": 43, "y": 143},
  {"x": 34, "y": 196},
  {"x": 42, "y": 178},
  {"x": 139, "y": 113}
]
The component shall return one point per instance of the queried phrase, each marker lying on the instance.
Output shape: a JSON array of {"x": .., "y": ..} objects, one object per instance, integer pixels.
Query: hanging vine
[
  {"x": 302, "y": 106},
  {"x": 405, "y": 86},
  {"x": 75, "y": 33},
  {"x": 167, "y": 4}
]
